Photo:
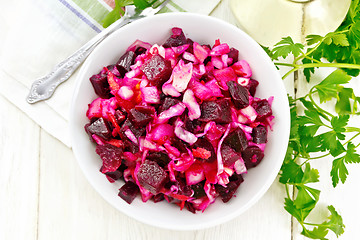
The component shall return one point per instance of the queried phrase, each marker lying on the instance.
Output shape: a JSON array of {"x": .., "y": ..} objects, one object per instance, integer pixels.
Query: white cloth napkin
[{"x": 36, "y": 35}]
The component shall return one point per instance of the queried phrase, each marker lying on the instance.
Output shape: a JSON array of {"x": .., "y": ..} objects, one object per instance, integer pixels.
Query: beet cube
[
  {"x": 237, "y": 140},
  {"x": 234, "y": 55},
  {"x": 263, "y": 109},
  {"x": 192, "y": 125},
  {"x": 110, "y": 156},
  {"x": 167, "y": 103},
  {"x": 128, "y": 191},
  {"x": 189, "y": 206},
  {"x": 100, "y": 85},
  {"x": 252, "y": 156},
  {"x": 217, "y": 111},
  {"x": 157, "y": 70},
  {"x": 259, "y": 134},
  {"x": 159, "y": 157},
  {"x": 239, "y": 94},
  {"x": 229, "y": 155},
  {"x": 101, "y": 128},
  {"x": 125, "y": 61},
  {"x": 198, "y": 189},
  {"x": 138, "y": 118},
  {"x": 252, "y": 86},
  {"x": 176, "y": 39},
  {"x": 151, "y": 176},
  {"x": 120, "y": 117},
  {"x": 113, "y": 176},
  {"x": 158, "y": 197},
  {"x": 137, "y": 131},
  {"x": 140, "y": 50},
  {"x": 148, "y": 110},
  {"x": 203, "y": 145},
  {"x": 226, "y": 193}
]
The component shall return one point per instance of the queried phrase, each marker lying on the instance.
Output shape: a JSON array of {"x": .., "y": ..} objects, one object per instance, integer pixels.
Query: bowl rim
[{"x": 212, "y": 222}]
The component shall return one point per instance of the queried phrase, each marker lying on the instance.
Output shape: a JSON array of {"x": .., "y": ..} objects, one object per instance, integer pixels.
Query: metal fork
[{"x": 43, "y": 88}]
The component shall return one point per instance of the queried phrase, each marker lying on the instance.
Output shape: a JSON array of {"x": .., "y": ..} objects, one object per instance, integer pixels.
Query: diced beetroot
[
  {"x": 138, "y": 118},
  {"x": 101, "y": 128},
  {"x": 259, "y": 134},
  {"x": 157, "y": 69},
  {"x": 151, "y": 176},
  {"x": 159, "y": 157},
  {"x": 192, "y": 125},
  {"x": 129, "y": 191},
  {"x": 180, "y": 144},
  {"x": 113, "y": 176},
  {"x": 137, "y": 131},
  {"x": 229, "y": 155},
  {"x": 263, "y": 109},
  {"x": 204, "y": 150},
  {"x": 234, "y": 55},
  {"x": 110, "y": 156},
  {"x": 140, "y": 50},
  {"x": 158, "y": 197},
  {"x": 125, "y": 61},
  {"x": 224, "y": 75},
  {"x": 226, "y": 193},
  {"x": 100, "y": 85},
  {"x": 252, "y": 156},
  {"x": 148, "y": 110},
  {"x": 252, "y": 86},
  {"x": 176, "y": 39},
  {"x": 120, "y": 116},
  {"x": 239, "y": 94},
  {"x": 198, "y": 189},
  {"x": 190, "y": 207},
  {"x": 237, "y": 140},
  {"x": 218, "y": 111},
  {"x": 167, "y": 103}
]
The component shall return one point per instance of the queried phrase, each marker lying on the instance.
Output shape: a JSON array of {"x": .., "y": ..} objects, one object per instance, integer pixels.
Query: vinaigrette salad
[{"x": 178, "y": 122}]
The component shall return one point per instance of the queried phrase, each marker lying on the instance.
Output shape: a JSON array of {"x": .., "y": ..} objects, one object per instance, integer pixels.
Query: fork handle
[{"x": 44, "y": 87}]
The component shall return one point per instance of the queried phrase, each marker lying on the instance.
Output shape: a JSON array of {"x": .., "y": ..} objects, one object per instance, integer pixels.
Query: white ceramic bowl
[{"x": 202, "y": 29}]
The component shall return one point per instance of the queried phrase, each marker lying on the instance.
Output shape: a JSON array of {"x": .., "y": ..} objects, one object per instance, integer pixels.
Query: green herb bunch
[
  {"x": 118, "y": 11},
  {"x": 315, "y": 132}
]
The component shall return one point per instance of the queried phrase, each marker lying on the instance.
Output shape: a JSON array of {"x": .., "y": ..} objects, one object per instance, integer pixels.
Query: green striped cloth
[
  {"x": 93, "y": 11},
  {"x": 42, "y": 34}
]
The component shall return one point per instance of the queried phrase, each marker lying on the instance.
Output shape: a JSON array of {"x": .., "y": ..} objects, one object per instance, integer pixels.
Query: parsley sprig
[
  {"x": 317, "y": 133},
  {"x": 118, "y": 11}
]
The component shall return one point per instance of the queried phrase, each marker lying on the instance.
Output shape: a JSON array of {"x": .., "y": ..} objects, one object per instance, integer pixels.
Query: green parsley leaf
[
  {"x": 338, "y": 170},
  {"x": 285, "y": 47},
  {"x": 328, "y": 88},
  {"x": 335, "y": 222},
  {"x": 345, "y": 97},
  {"x": 116, "y": 13},
  {"x": 142, "y": 4},
  {"x": 291, "y": 172},
  {"x": 351, "y": 155},
  {"x": 329, "y": 141},
  {"x": 319, "y": 232}
]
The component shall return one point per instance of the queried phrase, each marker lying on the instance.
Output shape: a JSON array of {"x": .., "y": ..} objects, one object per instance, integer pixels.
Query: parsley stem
[
  {"x": 285, "y": 64},
  {"x": 289, "y": 72},
  {"x": 317, "y": 106},
  {"x": 352, "y": 129},
  {"x": 318, "y": 157},
  {"x": 337, "y": 65}
]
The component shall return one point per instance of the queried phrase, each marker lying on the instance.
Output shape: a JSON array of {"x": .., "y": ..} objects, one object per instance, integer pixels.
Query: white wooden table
[{"x": 44, "y": 195}]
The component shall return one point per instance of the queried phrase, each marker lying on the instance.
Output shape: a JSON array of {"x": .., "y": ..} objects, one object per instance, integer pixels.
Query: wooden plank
[{"x": 19, "y": 173}]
